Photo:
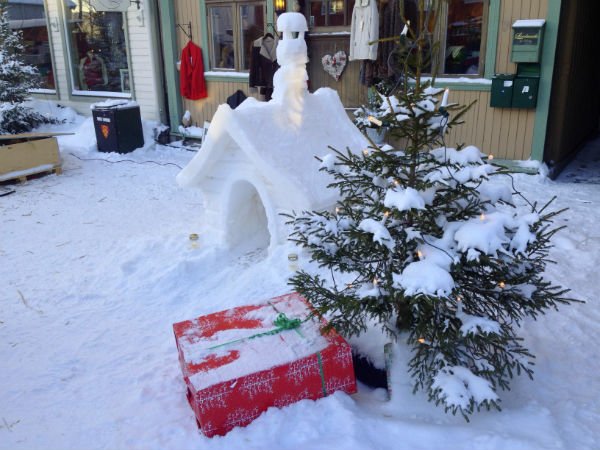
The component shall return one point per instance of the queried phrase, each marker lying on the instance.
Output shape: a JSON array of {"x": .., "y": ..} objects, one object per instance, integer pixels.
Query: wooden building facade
[{"x": 141, "y": 60}]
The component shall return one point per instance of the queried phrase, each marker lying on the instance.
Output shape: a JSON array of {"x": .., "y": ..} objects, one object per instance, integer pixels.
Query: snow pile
[
  {"x": 425, "y": 277},
  {"x": 93, "y": 279},
  {"x": 379, "y": 231},
  {"x": 404, "y": 199},
  {"x": 459, "y": 386}
]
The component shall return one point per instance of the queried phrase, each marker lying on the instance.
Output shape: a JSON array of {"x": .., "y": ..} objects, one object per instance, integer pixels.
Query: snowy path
[{"x": 102, "y": 260}]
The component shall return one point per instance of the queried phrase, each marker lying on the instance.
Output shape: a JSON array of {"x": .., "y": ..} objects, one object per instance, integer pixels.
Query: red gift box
[{"x": 239, "y": 362}]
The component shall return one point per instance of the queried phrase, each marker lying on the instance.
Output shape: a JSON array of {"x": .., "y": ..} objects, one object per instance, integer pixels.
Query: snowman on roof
[{"x": 258, "y": 161}]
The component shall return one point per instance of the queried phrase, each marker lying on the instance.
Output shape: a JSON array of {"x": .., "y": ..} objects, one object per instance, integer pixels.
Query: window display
[
  {"x": 329, "y": 13},
  {"x": 98, "y": 48},
  {"x": 233, "y": 27},
  {"x": 30, "y": 18},
  {"x": 463, "y": 39},
  {"x": 460, "y": 31}
]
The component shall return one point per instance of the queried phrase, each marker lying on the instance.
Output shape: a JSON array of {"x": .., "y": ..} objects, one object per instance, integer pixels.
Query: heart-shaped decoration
[{"x": 334, "y": 65}]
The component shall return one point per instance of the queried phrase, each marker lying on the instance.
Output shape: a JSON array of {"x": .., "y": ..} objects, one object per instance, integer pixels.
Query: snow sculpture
[
  {"x": 290, "y": 81},
  {"x": 258, "y": 161}
]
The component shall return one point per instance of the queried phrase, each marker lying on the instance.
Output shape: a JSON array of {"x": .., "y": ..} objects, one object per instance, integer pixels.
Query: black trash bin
[{"x": 118, "y": 127}]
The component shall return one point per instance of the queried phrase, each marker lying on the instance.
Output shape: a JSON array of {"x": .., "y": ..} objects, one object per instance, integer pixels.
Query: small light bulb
[
  {"x": 337, "y": 210},
  {"x": 502, "y": 285},
  {"x": 482, "y": 216},
  {"x": 396, "y": 182},
  {"x": 366, "y": 152},
  {"x": 458, "y": 298},
  {"x": 421, "y": 340},
  {"x": 375, "y": 281},
  {"x": 420, "y": 254},
  {"x": 293, "y": 262},
  {"x": 490, "y": 156},
  {"x": 194, "y": 238},
  {"x": 386, "y": 214}
]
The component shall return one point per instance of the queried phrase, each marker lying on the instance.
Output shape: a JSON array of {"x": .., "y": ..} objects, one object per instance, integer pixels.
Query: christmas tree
[
  {"x": 16, "y": 79},
  {"x": 424, "y": 243}
]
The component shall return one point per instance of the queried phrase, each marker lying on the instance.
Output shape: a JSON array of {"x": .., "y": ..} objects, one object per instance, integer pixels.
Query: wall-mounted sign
[
  {"x": 527, "y": 36},
  {"x": 110, "y": 5},
  {"x": 527, "y": 40}
]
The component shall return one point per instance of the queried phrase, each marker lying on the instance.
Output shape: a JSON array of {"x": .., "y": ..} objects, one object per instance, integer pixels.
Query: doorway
[{"x": 575, "y": 104}]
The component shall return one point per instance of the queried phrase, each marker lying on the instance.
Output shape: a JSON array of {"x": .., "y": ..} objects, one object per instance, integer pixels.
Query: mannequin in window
[{"x": 92, "y": 72}]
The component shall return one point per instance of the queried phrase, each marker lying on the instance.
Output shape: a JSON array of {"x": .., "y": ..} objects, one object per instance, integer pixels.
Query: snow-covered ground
[{"x": 96, "y": 265}]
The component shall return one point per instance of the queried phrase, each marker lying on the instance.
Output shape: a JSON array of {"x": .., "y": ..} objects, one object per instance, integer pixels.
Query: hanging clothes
[
  {"x": 263, "y": 64},
  {"x": 364, "y": 29},
  {"x": 191, "y": 73},
  {"x": 92, "y": 72},
  {"x": 391, "y": 26}
]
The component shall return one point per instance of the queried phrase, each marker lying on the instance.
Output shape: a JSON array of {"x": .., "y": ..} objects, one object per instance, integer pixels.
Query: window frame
[
  {"x": 328, "y": 28},
  {"x": 443, "y": 30},
  {"x": 236, "y": 6},
  {"x": 312, "y": 29},
  {"x": 440, "y": 34},
  {"x": 74, "y": 92},
  {"x": 52, "y": 91}
]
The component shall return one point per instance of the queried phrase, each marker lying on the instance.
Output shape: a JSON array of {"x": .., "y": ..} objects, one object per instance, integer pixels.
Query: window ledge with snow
[
  {"x": 462, "y": 83},
  {"x": 101, "y": 94},
  {"x": 42, "y": 91},
  {"x": 216, "y": 75}
]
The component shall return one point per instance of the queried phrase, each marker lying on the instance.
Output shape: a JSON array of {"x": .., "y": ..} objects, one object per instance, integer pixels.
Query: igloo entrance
[{"x": 247, "y": 225}]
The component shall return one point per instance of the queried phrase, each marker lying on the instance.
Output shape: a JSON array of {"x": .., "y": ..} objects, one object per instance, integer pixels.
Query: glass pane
[
  {"x": 97, "y": 47},
  {"x": 253, "y": 27},
  {"x": 318, "y": 14},
  {"x": 463, "y": 41},
  {"x": 336, "y": 13},
  {"x": 221, "y": 28},
  {"x": 30, "y": 18}
]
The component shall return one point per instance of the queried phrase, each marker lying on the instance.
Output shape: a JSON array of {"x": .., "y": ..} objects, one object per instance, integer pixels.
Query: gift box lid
[{"x": 230, "y": 344}]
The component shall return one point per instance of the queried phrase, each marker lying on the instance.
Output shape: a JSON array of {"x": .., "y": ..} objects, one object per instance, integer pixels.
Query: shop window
[
  {"x": 464, "y": 31},
  {"x": 328, "y": 13},
  {"x": 30, "y": 18},
  {"x": 97, "y": 48},
  {"x": 233, "y": 28},
  {"x": 460, "y": 31}
]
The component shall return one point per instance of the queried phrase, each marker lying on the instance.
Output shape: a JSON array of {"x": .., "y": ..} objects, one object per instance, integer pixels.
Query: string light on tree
[
  {"x": 439, "y": 215},
  {"x": 445, "y": 98}
]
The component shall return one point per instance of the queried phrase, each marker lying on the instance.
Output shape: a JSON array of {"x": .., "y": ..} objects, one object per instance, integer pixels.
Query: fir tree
[
  {"x": 424, "y": 243},
  {"x": 16, "y": 79}
]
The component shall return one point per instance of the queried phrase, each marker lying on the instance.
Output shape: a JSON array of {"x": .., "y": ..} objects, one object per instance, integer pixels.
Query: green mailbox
[
  {"x": 527, "y": 83},
  {"x": 502, "y": 90},
  {"x": 525, "y": 92},
  {"x": 528, "y": 38}
]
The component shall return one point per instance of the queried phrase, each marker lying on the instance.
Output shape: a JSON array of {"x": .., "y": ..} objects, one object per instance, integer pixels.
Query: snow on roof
[
  {"x": 284, "y": 153},
  {"x": 529, "y": 23}
]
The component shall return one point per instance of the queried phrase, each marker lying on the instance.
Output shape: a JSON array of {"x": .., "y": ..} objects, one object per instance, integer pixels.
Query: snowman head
[{"x": 291, "y": 49}]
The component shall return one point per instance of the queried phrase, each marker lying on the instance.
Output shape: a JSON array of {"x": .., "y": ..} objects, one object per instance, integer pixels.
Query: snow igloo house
[{"x": 258, "y": 161}]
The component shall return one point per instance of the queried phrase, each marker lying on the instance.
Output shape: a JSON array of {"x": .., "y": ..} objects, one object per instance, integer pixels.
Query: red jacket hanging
[{"x": 191, "y": 73}]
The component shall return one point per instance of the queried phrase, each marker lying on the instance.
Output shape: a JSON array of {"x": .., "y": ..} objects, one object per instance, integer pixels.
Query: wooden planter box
[{"x": 22, "y": 155}]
